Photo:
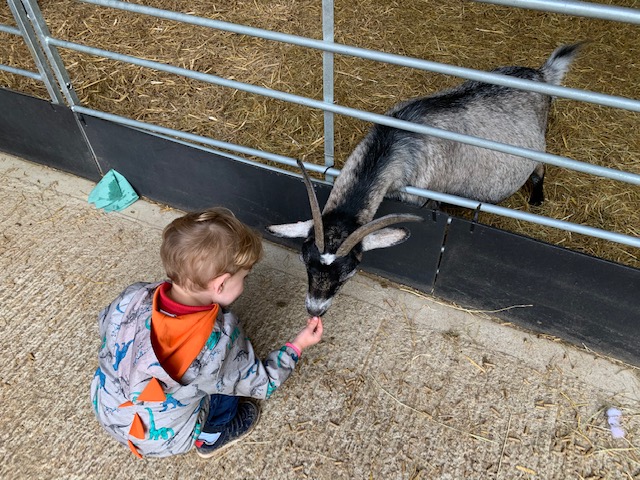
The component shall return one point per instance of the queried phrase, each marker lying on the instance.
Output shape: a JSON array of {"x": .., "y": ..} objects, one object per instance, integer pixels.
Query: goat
[{"x": 388, "y": 159}]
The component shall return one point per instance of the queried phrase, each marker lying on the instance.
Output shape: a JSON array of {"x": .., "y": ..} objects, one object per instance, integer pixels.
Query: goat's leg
[
  {"x": 537, "y": 181},
  {"x": 431, "y": 204}
]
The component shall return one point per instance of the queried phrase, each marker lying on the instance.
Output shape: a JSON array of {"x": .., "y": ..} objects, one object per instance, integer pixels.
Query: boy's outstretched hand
[{"x": 310, "y": 335}]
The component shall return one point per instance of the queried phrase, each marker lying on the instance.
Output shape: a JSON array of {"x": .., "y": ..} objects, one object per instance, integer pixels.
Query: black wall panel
[
  {"x": 573, "y": 296},
  {"x": 189, "y": 178},
  {"x": 415, "y": 261},
  {"x": 44, "y": 133}
]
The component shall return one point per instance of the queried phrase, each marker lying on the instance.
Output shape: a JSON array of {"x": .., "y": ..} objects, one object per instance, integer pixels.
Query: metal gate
[{"x": 52, "y": 72}]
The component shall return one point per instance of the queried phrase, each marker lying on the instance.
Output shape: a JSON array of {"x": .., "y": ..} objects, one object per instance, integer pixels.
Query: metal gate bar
[
  {"x": 580, "y": 9},
  {"x": 28, "y": 34}
]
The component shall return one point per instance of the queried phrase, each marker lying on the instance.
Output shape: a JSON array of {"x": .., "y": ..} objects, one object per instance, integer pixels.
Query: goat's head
[{"x": 333, "y": 246}]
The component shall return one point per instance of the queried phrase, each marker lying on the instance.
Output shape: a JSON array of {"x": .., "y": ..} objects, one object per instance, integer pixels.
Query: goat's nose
[{"x": 316, "y": 307}]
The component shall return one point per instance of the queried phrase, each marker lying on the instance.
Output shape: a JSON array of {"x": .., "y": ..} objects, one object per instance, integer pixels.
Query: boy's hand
[{"x": 310, "y": 335}]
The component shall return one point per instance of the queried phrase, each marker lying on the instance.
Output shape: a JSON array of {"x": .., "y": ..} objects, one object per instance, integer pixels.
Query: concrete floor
[{"x": 402, "y": 386}]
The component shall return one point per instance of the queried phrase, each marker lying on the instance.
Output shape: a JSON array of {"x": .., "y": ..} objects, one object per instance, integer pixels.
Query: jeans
[{"x": 222, "y": 409}]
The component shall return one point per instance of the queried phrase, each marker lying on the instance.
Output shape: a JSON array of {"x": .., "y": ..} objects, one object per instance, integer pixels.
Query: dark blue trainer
[{"x": 242, "y": 424}]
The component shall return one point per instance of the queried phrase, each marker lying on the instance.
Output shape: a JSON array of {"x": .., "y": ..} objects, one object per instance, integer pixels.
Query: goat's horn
[
  {"x": 379, "y": 223},
  {"x": 315, "y": 209}
]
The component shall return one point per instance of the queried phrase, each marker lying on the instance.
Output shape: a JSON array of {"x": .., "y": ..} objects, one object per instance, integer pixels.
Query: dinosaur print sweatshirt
[{"x": 141, "y": 406}]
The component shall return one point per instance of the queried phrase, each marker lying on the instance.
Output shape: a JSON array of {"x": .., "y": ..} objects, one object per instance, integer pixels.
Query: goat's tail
[{"x": 557, "y": 65}]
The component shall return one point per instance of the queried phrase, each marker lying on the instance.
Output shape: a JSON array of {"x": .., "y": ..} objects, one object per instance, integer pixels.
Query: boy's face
[{"x": 232, "y": 288}]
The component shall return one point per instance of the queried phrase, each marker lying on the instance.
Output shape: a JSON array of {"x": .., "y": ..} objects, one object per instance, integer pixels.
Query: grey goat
[{"x": 388, "y": 159}]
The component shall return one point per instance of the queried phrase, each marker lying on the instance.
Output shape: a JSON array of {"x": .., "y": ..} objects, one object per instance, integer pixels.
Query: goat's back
[
  {"x": 493, "y": 112},
  {"x": 388, "y": 159}
]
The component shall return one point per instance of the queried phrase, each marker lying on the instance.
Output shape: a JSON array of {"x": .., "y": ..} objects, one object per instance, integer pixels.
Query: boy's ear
[{"x": 217, "y": 284}]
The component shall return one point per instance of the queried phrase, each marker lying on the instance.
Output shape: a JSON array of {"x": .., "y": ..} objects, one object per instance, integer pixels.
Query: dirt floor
[
  {"x": 462, "y": 33},
  {"x": 401, "y": 387}
]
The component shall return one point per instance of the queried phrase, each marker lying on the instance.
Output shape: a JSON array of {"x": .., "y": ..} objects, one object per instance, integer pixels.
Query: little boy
[{"x": 175, "y": 367}]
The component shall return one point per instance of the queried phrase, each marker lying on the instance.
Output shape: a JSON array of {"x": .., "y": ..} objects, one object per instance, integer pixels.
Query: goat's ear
[
  {"x": 291, "y": 230},
  {"x": 386, "y": 237}
]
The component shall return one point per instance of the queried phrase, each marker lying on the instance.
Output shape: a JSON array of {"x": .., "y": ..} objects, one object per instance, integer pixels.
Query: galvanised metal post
[
  {"x": 328, "y": 84},
  {"x": 30, "y": 38},
  {"x": 42, "y": 34}
]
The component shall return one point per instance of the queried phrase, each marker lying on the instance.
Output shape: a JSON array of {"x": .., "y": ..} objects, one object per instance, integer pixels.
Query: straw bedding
[{"x": 461, "y": 33}]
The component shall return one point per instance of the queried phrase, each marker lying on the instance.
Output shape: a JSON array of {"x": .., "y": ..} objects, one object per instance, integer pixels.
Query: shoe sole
[{"x": 232, "y": 442}]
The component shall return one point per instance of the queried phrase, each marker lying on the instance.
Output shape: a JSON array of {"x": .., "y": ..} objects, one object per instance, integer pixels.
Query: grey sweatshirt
[{"x": 226, "y": 365}]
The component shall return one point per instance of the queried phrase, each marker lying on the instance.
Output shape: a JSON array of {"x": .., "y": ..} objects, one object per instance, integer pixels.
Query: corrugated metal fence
[{"x": 52, "y": 72}]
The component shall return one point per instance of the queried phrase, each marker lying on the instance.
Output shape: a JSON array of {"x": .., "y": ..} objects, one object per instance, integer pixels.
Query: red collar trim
[{"x": 171, "y": 307}]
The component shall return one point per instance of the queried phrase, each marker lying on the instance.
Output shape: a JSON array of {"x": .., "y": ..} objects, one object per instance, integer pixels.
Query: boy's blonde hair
[{"x": 200, "y": 246}]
